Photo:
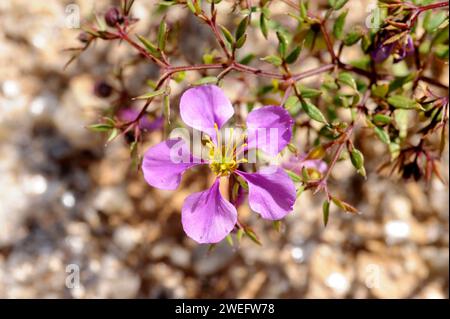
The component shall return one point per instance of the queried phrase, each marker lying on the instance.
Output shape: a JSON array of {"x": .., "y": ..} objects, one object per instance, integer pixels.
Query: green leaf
[
  {"x": 206, "y": 80},
  {"x": 343, "y": 205},
  {"x": 250, "y": 233},
  {"x": 366, "y": 42},
  {"x": 313, "y": 112},
  {"x": 292, "y": 148},
  {"x": 294, "y": 110},
  {"x": 381, "y": 119},
  {"x": 400, "y": 81},
  {"x": 100, "y": 127},
  {"x": 101, "y": 24},
  {"x": 277, "y": 225},
  {"x": 380, "y": 90},
  {"x": 303, "y": 11},
  {"x": 317, "y": 152},
  {"x": 211, "y": 248},
  {"x": 401, "y": 118},
  {"x": 239, "y": 234},
  {"x": 326, "y": 212},
  {"x": 272, "y": 59},
  {"x": 434, "y": 19},
  {"x": 242, "y": 183},
  {"x": 357, "y": 159},
  {"x": 179, "y": 76},
  {"x": 208, "y": 58},
  {"x": 293, "y": 56},
  {"x": 151, "y": 94},
  {"x": 299, "y": 191},
  {"x": 134, "y": 155},
  {"x": 394, "y": 149},
  {"x": 191, "y": 6},
  {"x": 338, "y": 27},
  {"x": 442, "y": 51},
  {"x": 148, "y": 45},
  {"x": 126, "y": 6},
  {"x": 240, "y": 42},
  {"x": 402, "y": 102},
  {"x": 282, "y": 44},
  {"x": 329, "y": 83},
  {"x": 227, "y": 34},
  {"x": 395, "y": 38},
  {"x": 263, "y": 25},
  {"x": 166, "y": 104},
  {"x": 382, "y": 135},
  {"x": 354, "y": 36},
  {"x": 242, "y": 27},
  {"x": 347, "y": 79},
  {"x": 307, "y": 92},
  {"x": 247, "y": 59},
  {"x": 229, "y": 240},
  {"x": 337, "y": 4},
  {"x": 114, "y": 133},
  {"x": 162, "y": 35},
  {"x": 291, "y": 102},
  {"x": 293, "y": 176}
]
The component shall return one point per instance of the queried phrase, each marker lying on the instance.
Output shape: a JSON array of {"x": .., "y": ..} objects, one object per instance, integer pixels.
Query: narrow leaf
[
  {"x": 292, "y": 57},
  {"x": 313, "y": 112},
  {"x": 326, "y": 212},
  {"x": 162, "y": 35},
  {"x": 402, "y": 102},
  {"x": 338, "y": 27},
  {"x": 150, "y": 94}
]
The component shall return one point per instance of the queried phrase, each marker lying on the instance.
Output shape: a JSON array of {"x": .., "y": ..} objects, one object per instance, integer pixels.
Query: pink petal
[
  {"x": 271, "y": 192},
  {"x": 203, "y": 106},
  {"x": 207, "y": 217},
  {"x": 269, "y": 129},
  {"x": 165, "y": 163}
]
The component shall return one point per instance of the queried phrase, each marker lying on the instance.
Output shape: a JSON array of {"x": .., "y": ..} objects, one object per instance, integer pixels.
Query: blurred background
[{"x": 77, "y": 222}]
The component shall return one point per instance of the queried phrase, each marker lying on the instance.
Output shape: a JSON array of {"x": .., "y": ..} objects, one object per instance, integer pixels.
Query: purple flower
[
  {"x": 400, "y": 49},
  {"x": 206, "y": 216},
  {"x": 315, "y": 167},
  {"x": 405, "y": 49},
  {"x": 382, "y": 52},
  {"x": 130, "y": 114}
]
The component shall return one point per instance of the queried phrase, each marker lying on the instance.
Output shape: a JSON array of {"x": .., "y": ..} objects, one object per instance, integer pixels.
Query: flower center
[{"x": 223, "y": 159}]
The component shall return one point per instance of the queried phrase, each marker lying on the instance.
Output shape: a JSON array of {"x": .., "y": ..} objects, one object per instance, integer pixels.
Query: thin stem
[
  {"x": 322, "y": 183},
  {"x": 419, "y": 10},
  {"x": 312, "y": 72},
  {"x": 347, "y": 136},
  {"x": 328, "y": 41},
  {"x": 433, "y": 82},
  {"x": 124, "y": 36},
  {"x": 212, "y": 24},
  {"x": 434, "y": 6}
]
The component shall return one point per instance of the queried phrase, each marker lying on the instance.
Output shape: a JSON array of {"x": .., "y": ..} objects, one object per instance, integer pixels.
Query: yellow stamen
[
  {"x": 230, "y": 143},
  {"x": 223, "y": 159}
]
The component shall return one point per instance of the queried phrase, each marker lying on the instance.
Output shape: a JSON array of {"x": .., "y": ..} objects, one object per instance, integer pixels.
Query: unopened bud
[
  {"x": 84, "y": 37},
  {"x": 113, "y": 16},
  {"x": 102, "y": 89}
]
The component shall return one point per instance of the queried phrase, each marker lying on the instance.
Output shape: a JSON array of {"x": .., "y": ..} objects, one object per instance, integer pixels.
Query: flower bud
[
  {"x": 102, "y": 89},
  {"x": 113, "y": 16},
  {"x": 84, "y": 37}
]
